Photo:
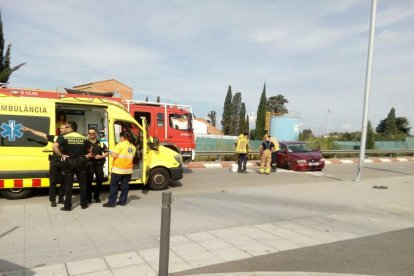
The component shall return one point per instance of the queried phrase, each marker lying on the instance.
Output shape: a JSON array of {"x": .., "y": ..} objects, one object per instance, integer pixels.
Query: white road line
[
  {"x": 402, "y": 159},
  {"x": 385, "y": 160},
  {"x": 213, "y": 166}
]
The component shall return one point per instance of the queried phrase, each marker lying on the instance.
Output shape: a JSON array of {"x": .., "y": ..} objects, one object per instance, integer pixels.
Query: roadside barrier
[{"x": 219, "y": 155}]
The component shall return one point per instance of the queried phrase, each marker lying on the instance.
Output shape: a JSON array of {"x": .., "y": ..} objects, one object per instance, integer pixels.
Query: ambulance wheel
[
  {"x": 18, "y": 193},
  {"x": 159, "y": 179}
]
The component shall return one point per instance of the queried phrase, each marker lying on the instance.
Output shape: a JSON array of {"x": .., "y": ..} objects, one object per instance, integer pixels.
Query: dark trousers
[
  {"x": 95, "y": 168},
  {"x": 56, "y": 177},
  {"x": 78, "y": 167},
  {"x": 273, "y": 163},
  {"x": 117, "y": 179},
  {"x": 242, "y": 162}
]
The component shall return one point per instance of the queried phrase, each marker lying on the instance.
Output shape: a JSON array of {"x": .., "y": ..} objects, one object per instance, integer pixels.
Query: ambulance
[{"x": 24, "y": 156}]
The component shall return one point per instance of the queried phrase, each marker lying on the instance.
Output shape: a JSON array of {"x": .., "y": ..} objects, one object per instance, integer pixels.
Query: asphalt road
[
  {"x": 211, "y": 199},
  {"x": 208, "y": 179}
]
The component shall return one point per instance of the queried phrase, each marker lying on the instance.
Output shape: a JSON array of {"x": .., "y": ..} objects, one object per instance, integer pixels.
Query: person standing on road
[
  {"x": 96, "y": 165},
  {"x": 122, "y": 169},
  {"x": 74, "y": 155},
  {"x": 242, "y": 149},
  {"x": 274, "y": 154},
  {"x": 266, "y": 149},
  {"x": 55, "y": 166}
]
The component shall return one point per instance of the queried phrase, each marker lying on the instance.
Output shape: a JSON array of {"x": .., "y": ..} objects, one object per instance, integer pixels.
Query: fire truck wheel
[
  {"x": 16, "y": 193},
  {"x": 159, "y": 179}
]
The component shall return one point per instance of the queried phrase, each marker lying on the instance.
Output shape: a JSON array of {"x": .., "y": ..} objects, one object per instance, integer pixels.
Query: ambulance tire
[
  {"x": 16, "y": 193},
  {"x": 159, "y": 179}
]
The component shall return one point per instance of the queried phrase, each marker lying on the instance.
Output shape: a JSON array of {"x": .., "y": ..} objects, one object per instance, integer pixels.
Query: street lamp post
[
  {"x": 327, "y": 122},
  {"x": 367, "y": 89}
]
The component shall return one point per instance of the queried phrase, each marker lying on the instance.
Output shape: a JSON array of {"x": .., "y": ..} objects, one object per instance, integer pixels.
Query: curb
[{"x": 228, "y": 164}]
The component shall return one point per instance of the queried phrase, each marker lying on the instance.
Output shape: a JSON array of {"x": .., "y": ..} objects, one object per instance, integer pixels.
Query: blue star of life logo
[
  {"x": 130, "y": 150},
  {"x": 11, "y": 130}
]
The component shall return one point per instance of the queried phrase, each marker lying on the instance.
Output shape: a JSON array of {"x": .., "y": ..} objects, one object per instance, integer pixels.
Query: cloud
[{"x": 313, "y": 53}]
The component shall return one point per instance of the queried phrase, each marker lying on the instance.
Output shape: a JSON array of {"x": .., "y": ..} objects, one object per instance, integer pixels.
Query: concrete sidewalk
[{"x": 36, "y": 239}]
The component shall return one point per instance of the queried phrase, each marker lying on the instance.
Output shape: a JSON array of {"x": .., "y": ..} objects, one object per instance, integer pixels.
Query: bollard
[{"x": 165, "y": 234}]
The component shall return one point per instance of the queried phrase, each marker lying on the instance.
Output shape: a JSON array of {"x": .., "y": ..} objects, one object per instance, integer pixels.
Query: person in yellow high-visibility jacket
[
  {"x": 122, "y": 169},
  {"x": 242, "y": 149}
]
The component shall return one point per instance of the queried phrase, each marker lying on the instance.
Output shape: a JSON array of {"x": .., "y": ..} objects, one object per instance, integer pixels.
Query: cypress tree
[
  {"x": 246, "y": 125},
  {"x": 236, "y": 106},
  {"x": 242, "y": 127},
  {"x": 390, "y": 128},
  {"x": 370, "y": 144},
  {"x": 261, "y": 115},
  {"x": 226, "y": 116}
]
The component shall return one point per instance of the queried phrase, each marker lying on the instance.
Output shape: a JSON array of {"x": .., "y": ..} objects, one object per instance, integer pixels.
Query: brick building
[{"x": 125, "y": 92}]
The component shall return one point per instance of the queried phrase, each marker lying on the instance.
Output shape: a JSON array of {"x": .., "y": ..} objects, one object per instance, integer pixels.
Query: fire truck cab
[{"x": 171, "y": 123}]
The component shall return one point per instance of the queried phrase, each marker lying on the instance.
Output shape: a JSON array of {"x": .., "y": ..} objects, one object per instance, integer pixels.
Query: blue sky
[{"x": 314, "y": 52}]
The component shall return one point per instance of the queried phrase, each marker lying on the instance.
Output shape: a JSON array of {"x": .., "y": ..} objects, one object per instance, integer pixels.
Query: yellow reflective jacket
[{"x": 242, "y": 144}]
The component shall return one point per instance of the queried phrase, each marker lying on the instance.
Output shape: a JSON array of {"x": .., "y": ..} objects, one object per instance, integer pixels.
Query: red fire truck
[{"x": 171, "y": 123}]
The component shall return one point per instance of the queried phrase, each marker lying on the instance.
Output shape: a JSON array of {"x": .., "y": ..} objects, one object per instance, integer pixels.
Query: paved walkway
[{"x": 38, "y": 240}]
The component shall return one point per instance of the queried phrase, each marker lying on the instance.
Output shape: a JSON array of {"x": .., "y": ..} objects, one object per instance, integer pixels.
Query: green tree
[
  {"x": 252, "y": 134},
  {"x": 276, "y": 104},
  {"x": 5, "y": 69},
  {"x": 393, "y": 128},
  {"x": 242, "y": 127},
  {"x": 305, "y": 135},
  {"x": 247, "y": 125},
  {"x": 370, "y": 143},
  {"x": 212, "y": 115},
  {"x": 227, "y": 110},
  {"x": 261, "y": 115},
  {"x": 236, "y": 107},
  {"x": 403, "y": 125},
  {"x": 390, "y": 128}
]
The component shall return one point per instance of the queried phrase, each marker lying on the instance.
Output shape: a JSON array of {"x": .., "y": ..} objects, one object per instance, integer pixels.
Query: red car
[{"x": 299, "y": 156}]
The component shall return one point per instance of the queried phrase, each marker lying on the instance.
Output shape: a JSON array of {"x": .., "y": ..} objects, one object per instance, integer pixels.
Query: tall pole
[
  {"x": 367, "y": 89},
  {"x": 327, "y": 123}
]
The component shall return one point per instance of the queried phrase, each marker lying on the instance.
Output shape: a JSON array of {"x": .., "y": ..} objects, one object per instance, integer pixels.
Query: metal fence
[{"x": 218, "y": 155}]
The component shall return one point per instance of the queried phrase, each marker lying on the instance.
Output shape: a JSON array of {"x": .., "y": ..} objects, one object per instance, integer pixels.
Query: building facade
[{"x": 124, "y": 92}]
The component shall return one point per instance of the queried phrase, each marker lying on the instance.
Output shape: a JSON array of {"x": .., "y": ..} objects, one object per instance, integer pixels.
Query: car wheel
[
  {"x": 288, "y": 165},
  {"x": 159, "y": 179},
  {"x": 14, "y": 193}
]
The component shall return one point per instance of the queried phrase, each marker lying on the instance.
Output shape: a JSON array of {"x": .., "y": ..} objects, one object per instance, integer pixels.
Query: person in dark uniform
[
  {"x": 55, "y": 166},
  {"x": 96, "y": 165},
  {"x": 74, "y": 154}
]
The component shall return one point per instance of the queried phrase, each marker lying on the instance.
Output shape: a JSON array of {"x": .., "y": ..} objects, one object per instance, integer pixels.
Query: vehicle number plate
[{"x": 313, "y": 163}]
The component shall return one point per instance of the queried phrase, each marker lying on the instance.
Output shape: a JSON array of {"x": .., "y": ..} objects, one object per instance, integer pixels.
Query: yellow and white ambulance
[{"x": 24, "y": 156}]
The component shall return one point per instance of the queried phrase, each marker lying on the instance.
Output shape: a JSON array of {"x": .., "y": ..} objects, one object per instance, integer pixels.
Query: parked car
[{"x": 299, "y": 156}]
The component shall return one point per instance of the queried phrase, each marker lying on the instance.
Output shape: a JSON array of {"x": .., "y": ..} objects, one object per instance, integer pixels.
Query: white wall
[{"x": 199, "y": 127}]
